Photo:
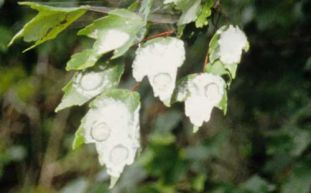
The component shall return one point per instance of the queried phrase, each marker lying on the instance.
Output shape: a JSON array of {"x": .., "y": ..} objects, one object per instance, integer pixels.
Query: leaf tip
[
  {"x": 195, "y": 129},
  {"x": 113, "y": 181}
]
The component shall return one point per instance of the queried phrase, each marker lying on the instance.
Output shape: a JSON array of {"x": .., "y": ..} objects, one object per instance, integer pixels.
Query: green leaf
[
  {"x": 301, "y": 141},
  {"x": 70, "y": 98},
  {"x": 217, "y": 68},
  {"x": 119, "y": 19},
  {"x": 170, "y": 1},
  {"x": 116, "y": 32},
  {"x": 190, "y": 12},
  {"x": 82, "y": 60},
  {"x": 198, "y": 183},
  {"x": 145, "y": 9},
  {"x": 4, "y": 38},
  {"x": 299, "y": 180},
  {"x": 131, "y": 99},
  {"x": 134, "y": 6},
  {"x": 232, "y": 68},
  {"x": 48, "y": 23},
  {"x": 104, "y": 24},
  {"x": 256, "y": 184},
  {"x": 205, "y": 12},
  {"x": 223, "y": 105},
  {"x": 110, "y": 75},
  {"x": 213, "y": 50},
  {"x": 113, "y": 181},
  {"x": 79, "y": 139}
]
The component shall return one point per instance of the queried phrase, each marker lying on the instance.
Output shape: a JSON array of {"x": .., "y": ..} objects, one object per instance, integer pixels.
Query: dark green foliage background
[{"x": 262, "y": 145}]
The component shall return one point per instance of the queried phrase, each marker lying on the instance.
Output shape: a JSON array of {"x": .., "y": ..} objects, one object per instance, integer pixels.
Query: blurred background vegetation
[{"x": 262, "y": 145}]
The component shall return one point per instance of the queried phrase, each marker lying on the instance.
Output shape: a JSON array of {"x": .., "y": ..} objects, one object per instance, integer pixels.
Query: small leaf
[
  {"x": 190, "y": 12},
  {"x": 205, "y": 12},
  {"x": 232, "y": 69},
  {"x": 116, "y": 32},
  {"x": 78, "y": 140},
  {"x": 213, "y": 50},
  {"x": 113, "y": 181},
  {"x": 145, "y": 8},
  {"x": 223, "y": 105},
  {"x": 201, "y": 93},
  {"x": 216, "y": 68},
  {"x": 225, "y": 49},
  {"x": 195, "y": 129},
  {"x": 81, "y": 60},
  {"x": 131, "y": 99},
  {"x": 88, "y": 84},
  {"x": 299, "y": 179},
  {"x": 70, "y": 98},
  {"x": 48, "y": 23},
  {"x": 257, "y": 184},
  {"x": 4, "y": 38}
]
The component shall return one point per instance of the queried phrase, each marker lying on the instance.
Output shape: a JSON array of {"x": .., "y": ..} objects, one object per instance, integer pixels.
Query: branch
[{"x": 155, "y": 18}]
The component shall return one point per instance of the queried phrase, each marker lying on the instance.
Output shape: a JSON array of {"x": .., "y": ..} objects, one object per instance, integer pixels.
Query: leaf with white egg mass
[
  {"x": 112, "y": 124},
  {"x": 226, "y": 47},
  {"x": 201, "y": 93},
  {"x": 159, "y": 60},
  {"x": 48, "y": 23},
  {"x": 116, "y": 32},
  {"x": 89, "y": 83}
]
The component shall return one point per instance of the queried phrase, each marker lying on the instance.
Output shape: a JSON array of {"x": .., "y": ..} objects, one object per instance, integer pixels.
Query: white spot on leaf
[
  {"x": 119, "y": 154},
  {"x": 115, "y": 131},
  {"x": 231, "y": 43},
  {"x": 159, "y": 60},
  {"x": 110, "y": 40},
  {"x": 204, "y": 92},
  {"x": 90, "y": 83},
  {"x": 161, "y": 81},
  {"x": 100, "y": 131}
]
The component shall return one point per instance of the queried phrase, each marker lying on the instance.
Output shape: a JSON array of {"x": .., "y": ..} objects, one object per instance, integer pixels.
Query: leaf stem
[{"x": 206, "y": 60}]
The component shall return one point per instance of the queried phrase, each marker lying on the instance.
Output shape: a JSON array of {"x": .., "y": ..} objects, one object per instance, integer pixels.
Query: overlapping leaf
[
  {"x": 48, "y": 23},
  {"x": 205, "y": 13},
  {"x": 88, "y": 84},
  {"x": 225, "y": 50},
  {"x": 116, "y": 32},
  {"x": 159, "y": 60},
  {"x": 201, "y": 93},
  {"x": 112, "y": 124},
  {"x": 190, "y": 10}
]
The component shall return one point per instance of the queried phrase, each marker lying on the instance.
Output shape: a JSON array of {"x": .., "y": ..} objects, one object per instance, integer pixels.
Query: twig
[
  {"x": 155, "y": 18},
  {"x": 166, "y": 33},
  {"x": 136, "y": 86}
]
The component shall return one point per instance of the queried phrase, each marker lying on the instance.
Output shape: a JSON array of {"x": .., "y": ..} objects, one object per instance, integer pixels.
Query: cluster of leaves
[
  {"x": 117, "y": 32},
  {"x": 285, "y": 165}
]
